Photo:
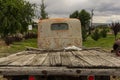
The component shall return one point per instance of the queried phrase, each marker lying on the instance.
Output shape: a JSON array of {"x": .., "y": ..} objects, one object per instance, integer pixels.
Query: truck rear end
[
  {"x": 86, "y": 64},
  {"x": 60, "y": 56}
]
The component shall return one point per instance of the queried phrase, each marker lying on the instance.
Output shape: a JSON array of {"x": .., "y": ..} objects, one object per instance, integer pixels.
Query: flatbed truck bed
[{"x": 61, "y": 62}]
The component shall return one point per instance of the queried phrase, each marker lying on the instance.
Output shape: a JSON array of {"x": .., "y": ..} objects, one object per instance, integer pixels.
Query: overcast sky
[{"x": 104, "y": 10}]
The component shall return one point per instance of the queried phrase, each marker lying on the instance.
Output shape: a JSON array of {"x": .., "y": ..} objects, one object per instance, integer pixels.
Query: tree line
[
  {"x": 95, "y": 32},
  {"x": 16, "y": 15}
]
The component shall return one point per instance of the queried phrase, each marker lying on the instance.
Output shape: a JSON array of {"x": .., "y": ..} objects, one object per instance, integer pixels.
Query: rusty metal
[
  {"x": 116, "y": 47},
  {"x": 58, "y": 39}
]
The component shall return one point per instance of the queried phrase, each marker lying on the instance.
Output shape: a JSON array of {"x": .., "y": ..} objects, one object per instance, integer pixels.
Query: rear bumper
[{"x": 56, "y": 71}]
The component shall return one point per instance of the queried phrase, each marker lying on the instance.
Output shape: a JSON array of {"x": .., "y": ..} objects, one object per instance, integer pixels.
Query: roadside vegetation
[
  {"x": 16, "y": 36},
  {"x": 17, "y": 47},
  {"x": 104, "y": 43},
  {"x": 15, "y": 18}
]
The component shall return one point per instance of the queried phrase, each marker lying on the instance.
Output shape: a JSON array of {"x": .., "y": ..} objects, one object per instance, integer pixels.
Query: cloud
[{"x": 104, "y": 10}]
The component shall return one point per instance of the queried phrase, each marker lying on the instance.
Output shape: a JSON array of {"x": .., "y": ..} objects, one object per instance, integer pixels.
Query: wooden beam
[{"x": 56, "y": 71}]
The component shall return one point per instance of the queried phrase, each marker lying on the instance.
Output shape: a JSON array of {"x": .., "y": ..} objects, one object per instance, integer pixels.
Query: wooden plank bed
[{"x": 84, "y": 62}]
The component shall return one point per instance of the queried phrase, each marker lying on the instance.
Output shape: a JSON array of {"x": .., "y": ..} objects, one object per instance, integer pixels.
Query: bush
[
  {"x": 19, "y": 37},
  {"x": 95, "y": 35},
  {"x": 103, "y": 33},
  {"x": 30, "y": 35},
  {"x": 10, "y": 39}
]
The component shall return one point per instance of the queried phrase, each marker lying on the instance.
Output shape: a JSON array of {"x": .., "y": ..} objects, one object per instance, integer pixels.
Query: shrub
[
  {"x": 95, "y": 35},
  {"x": 103, "y": 33},
  {"x": 30, "y": 35},
  {"x": 10, "y": 39}
]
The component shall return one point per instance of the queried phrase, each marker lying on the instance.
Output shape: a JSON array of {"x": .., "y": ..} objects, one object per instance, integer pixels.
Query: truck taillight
[
  {"x": 91, "y": 78},
  {"x": 31, "y": 78}
]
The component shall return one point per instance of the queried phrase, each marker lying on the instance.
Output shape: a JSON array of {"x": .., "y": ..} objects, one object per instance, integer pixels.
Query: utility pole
[{"x": 91, "y": 21}]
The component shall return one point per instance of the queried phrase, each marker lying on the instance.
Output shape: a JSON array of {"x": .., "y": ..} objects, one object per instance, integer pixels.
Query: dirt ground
[{"x": 2, "y": 43}]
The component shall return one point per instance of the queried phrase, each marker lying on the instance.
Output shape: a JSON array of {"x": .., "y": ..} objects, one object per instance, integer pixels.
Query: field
[
  {"x": 17, "y": 47},
  {"x": 104, "y": 43}
]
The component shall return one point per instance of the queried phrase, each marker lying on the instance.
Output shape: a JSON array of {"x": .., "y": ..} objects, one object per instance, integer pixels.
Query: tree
[
  {"x": 116, "y": 28},
  {"x": 95, "y": 35},
  {"x": 103, "y": 32},
  {"x": 43, "y": 13},
  {"x": 84, "y": 17},
  {"x": 74, "y": 14},
  {"x": 15, "y": 16}
]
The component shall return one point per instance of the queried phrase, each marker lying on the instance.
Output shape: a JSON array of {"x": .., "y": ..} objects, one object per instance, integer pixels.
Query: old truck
[{"x": 60, "y": 56}]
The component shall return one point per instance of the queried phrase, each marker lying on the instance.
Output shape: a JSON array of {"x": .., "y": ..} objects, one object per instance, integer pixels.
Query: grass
[
  {"x": 104, "y": 43},
  {"x": 17, "y": 47}
]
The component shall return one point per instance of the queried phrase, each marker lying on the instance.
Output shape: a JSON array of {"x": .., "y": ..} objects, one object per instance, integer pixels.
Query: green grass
[
  {"x": 104, "y": 43},
  {"x": 17, "y": 47}
]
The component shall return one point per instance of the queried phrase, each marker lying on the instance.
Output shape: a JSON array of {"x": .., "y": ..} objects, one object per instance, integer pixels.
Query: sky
[{"x": 105, "y": 11}]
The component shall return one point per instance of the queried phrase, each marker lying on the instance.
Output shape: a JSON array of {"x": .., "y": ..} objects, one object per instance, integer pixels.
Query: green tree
[
  {"x": 84, "y": 17},
  {"x": 116, "y": 28},
  {"x": 74, "y": 14},
  {"x": 103, "y": 32},
  {"x": 84, "y": 34},
  {"x": 95, "y": 35},
  {"x": 15, "y": 16},
  {"x": 43, "y": 13}
]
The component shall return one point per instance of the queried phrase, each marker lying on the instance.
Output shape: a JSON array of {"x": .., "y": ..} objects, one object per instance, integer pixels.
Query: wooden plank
[
  {"x": 58, "y": 59},
  {"x": 76, "y": 62},
  {"x": 2, "y": 59},
  {"x": 54, "y": 59},
  {"x": 86, "y": 59},
  {"x": 109, "y": 59},
  {"x": 65, "y": 59},
  {"x": 30, "y": 60},
  {"x": 56, "y": 71},
  {"x": 100, "y": 61},
  {"x": 86, "y": 53},
  {"x": 94, "y": 56},
  {"x": 46, "y": 62},
  {"x": 39, "y": 60},
  {"x": 34, "y": 60},
  {"x": 24, "y": 60},
  {"x": 100, "y": 52},
  {"x": 11, "y": 59},
  {"x": 17, "y": 54}
]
